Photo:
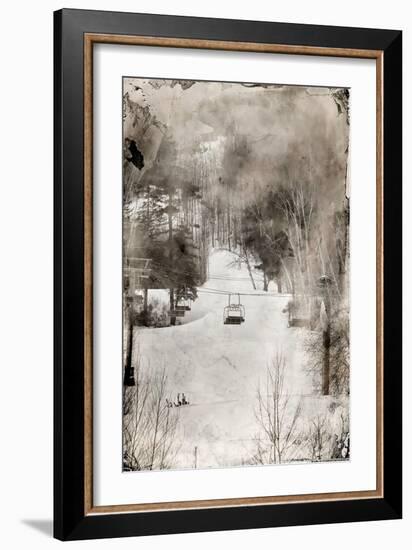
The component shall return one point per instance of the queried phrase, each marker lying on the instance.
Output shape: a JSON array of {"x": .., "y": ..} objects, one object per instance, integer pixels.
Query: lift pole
[{"x": 324, "y": 284}]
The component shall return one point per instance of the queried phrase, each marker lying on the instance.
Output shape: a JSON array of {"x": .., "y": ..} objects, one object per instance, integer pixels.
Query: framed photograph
[{"x": 227, "y": 274}]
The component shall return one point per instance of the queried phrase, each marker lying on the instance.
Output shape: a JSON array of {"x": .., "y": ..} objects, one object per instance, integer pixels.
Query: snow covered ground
[{"x": 219, "y": 367}]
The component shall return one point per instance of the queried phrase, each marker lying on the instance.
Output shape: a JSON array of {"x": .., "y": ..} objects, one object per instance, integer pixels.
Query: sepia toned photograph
[{"x": 236, "y": 269}]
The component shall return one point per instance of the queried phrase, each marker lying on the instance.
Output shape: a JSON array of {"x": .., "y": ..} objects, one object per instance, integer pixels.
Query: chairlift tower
[
  {"x": 135, "y": 270},
  {"x": 324, "y": 284},
  {"x": 182, "y": 304}
]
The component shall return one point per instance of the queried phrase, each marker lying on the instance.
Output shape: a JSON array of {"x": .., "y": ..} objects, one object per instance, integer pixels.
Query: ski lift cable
[
  {"x": 212, "y": 292},
  {"x": 227, "y": 292},
  {"x": 213, "y": 276},
  {"x": 263, "y": 295},
  {"x": 224, "y": 291},
  {"x": 167, "y": 270},
  {"x": 234, "y": 278}
]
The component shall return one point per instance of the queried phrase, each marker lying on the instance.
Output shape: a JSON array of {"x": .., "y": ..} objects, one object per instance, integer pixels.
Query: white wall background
[{"x": 26, "y": 324}]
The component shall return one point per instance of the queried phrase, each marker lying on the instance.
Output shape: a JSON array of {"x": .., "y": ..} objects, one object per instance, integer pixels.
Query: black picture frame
[{"x": 71, "y": 522}]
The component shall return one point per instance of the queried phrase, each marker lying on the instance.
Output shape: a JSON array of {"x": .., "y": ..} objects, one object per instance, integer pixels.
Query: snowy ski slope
[{"x": 219, "y": 367}]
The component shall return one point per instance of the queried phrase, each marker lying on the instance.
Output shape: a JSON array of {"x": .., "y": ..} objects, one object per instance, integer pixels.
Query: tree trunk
[
  {"x": 170, "y": 220},
  {"x": 279, "y": 284},
  {"x": 172, "y": 306},
  {"x": 213, "y": 232},
  {"x": 228, "y": 227},
  {"x": 249, "y": 268},
  {"x": 265, "y": 282},
  {"x": 129, "y": 370},
  {"x": 145, "y": 299},
  {"x": 326, "y": 361},
  {"x": 326, "y": 346}
]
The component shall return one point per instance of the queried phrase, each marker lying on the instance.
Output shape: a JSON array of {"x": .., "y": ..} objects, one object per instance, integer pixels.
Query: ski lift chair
[
  {"x": 186, "y": 303},
  {"x": 139, "y": 299},
  {"x": 234, "y": 313},
  {"x": 179, "y": 307},
  {"x": 183, "y": 302},
  {"x": 184, "y": 299},
  {"x": 298, "y": 313},
  {"x": 176, "y": 312}
]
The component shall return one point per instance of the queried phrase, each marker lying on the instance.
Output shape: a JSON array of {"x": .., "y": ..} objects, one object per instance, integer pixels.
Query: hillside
[{"x": 219, "y": 367}]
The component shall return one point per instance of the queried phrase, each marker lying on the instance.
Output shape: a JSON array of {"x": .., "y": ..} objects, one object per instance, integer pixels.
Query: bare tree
[
  {"x": 319, "y": 437},
  {"x": 341, "y": 444},
  {"x": 262, "y": 454},
  {"x": 296, "y": 203},
  {"x": 339, "y": 355},
  {"x": 149, "y": 424},
  {"x": 276, "y": 414}
]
